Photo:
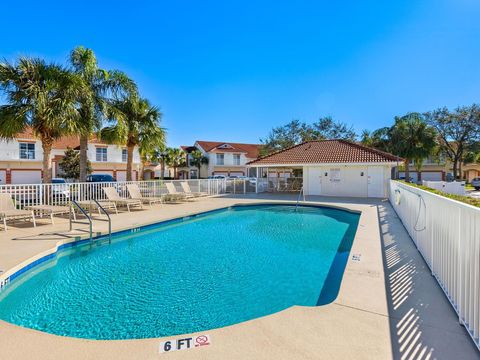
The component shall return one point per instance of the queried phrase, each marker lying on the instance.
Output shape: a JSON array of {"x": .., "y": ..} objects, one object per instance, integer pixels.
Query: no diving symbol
[{"x": 201, "y": 340}]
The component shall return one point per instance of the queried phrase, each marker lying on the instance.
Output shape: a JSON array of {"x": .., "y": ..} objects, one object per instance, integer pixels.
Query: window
[
  {"x": 124, "y": 155},
  {"x": 220, "y": 159},
  {"x": 101, "y": 154},
  {"x": 236, "y": 159},
  {"x": 27, "y": 150}
]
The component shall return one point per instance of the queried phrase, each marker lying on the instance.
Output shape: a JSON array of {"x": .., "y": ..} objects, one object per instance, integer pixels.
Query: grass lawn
[{"x": 465, "y": 199}]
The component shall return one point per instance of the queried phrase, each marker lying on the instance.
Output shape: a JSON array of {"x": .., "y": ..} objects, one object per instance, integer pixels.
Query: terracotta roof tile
[
  {"x": 326, "y": 151},
  {"x": 251, "y": 150},
  {"x": 62, "y": 143}
]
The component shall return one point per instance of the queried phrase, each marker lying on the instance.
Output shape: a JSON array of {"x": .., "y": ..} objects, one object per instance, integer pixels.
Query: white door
[
  {"x": 376, "y": 185},
  {"x": 26, "y": 176},
  {"x": 314, "y": 181},
  {"x": 3, "y": 177}
]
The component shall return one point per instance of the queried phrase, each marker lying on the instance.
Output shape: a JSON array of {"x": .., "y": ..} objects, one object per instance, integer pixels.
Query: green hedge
[{"x": 465, "y": 199}]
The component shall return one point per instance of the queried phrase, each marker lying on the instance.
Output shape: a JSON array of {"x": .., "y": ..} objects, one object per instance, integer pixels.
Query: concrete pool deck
[{"x": 389, "y": 306}]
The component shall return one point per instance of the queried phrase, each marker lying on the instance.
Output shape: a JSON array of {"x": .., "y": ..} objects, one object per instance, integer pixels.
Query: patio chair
[
  {"x": 187, "y": 190},
  {"x": 91, "y": 205},
  {"x": 173, "y": 193},
  {"x": 113, "y": 196},
  {"x": 51, "y": 210},
  {"x": 8, "y": 211},
  {"x": 136, "y": 194}
]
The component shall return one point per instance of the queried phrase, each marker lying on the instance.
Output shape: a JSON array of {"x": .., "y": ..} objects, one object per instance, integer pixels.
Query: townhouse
[{"x": 21, "y": 158}]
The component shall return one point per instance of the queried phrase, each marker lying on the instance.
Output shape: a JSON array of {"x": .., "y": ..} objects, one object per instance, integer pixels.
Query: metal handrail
[
  {"x": 298, "y": 198},
  {"x": 109, "y": 220},
  {"x": 84, "y": 213}
]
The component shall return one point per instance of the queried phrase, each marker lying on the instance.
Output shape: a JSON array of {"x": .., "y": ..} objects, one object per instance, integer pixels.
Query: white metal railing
[
  {"x": 447, "y": 234},
  {"x": 61, "y": 194}
]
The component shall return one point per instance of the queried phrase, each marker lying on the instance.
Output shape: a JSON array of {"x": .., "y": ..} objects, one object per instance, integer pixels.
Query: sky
[{"x": 231, "y": 70}]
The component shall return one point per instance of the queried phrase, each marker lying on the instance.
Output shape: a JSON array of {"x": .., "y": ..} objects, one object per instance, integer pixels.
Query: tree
[
  {"x": 456, "y": 130},
  {"x": 378, "y": 139},
  {"x": 70, "y": 164},
  {"x": 411, "y": 138},
  {"x": 42, "y": 97},
  {"x": 134, "y": 122},
  {"x": 198, "y": 159},
  {"x": 175, "y": 158},
  {"x": 94, "y": 102},
  {"x": 296, "y": 132}
]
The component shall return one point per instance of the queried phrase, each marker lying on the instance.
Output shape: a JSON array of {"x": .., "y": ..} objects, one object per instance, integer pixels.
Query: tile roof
[
  {"x": 62, "y": 143},
  {"x": 326, "y": 151},
  {"x": 251, "y": 150}
]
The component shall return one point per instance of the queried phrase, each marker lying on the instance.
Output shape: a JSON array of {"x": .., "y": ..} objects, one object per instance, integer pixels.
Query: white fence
[
  {"x": 279, "y": 184},
  {"x": 447, "y": 234},
  {"x": 454, "y": 187},
  {"x": 61, "y": 194}
]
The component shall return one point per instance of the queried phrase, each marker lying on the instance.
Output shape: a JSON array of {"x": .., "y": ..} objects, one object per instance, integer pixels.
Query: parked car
[
  {"x": 217, "y": 177},
  {"x": 60, "y": 188},
  {"x": 100, "y": 178},
  {"x": 476, "y": 183}
]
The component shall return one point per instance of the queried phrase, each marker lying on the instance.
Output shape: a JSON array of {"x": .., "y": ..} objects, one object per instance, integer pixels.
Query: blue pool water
[{"x": 207, "y": 272}]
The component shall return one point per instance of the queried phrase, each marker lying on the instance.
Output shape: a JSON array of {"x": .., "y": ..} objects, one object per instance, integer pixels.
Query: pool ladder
[
  {"x": 301, "y": 192},
  {"x": 90, "y": 219}
]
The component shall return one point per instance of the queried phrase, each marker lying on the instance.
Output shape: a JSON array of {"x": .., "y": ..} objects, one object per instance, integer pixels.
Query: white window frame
[
  {"x": 218, "y": 157},
  {"x": 237, "y": 157},
  {"x": 124, "y": 155},
  {"x": 28, "y": 154},
  {"x": 101, "y": 154}
]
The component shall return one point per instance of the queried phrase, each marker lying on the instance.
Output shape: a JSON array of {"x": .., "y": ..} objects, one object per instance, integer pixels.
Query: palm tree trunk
[
  {"x": 46, "y": 162},
  {"x": 83, "y": 157},
  {"x": 142, "y": 170},
  {"x": 162, "y": 168},
  {"x": 407, "y": 170},
  {"x": 174, "y": 173},
  {"x": 130, "y": 149}
]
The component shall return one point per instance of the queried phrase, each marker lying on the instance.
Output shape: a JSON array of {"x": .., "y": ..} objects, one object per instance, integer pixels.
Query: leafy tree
[
  {"x": 43, "y": 97},
  {"x": 296, "y": 132},
  {"x": 378, "y": 139},
  {"x": 94, "y": 102},
  {"x": 412, "y": 139},
  {"x": 456, "y": 130},
  {"x": 175, "y": 158},
  {"x": 198, "y": 159},
  {"x": 70, "y": 164},
  {"x": 134, "y": 122}
]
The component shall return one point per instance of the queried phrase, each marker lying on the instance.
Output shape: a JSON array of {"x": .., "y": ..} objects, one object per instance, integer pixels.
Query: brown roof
[
  {"x": 326, "y": 151},
  {"x": 62, "y": 143},
  {"x": 251, "y": 150},
  {"x": 188, "y": 149}
]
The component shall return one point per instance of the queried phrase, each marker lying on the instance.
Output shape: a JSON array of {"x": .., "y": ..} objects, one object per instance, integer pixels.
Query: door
[
  {"x": 3, "y": 177},
  {"x": 376, "y": 184},
  {"x": 314, "y": 181},
  {"x": 26, "y": 176}
]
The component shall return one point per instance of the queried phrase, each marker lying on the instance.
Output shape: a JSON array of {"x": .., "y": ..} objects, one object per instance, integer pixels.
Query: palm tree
[
  {"x": 175, "y": 158},
  {"x": 94, "y": 102},
  {"x": 43, "y": 97},
  {"x": 198, "y": 159},
  {"x": 134, "y": 123},
  {"x": 411, "y": 138}
]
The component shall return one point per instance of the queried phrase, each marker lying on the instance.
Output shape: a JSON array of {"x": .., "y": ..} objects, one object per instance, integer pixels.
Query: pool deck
[{"x": 388, "y": 307}]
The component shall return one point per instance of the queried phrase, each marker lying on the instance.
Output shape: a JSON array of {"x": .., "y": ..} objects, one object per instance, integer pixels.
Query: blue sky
[{"x": 231, "y": 70}]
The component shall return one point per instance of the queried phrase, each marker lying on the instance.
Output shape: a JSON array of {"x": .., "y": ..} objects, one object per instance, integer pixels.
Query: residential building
[
  {"x": 333, "y": 168},
  {"x": 21, "y": 158},
  {"x": 224, "y": 158}
]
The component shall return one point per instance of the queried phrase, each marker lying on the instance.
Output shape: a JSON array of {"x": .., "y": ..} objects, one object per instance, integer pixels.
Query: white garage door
[
  {"x": 26, "y": 176},
  {"x": 103, "y": 172},
  {"x": 122, "y": 175},
  {"x": 3, "y": 177},
  {"x": 432, "y": 176}
]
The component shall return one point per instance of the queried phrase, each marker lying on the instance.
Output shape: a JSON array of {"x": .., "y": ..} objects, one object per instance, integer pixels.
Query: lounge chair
[
  {"x": 8, "y": 211},
  {"x": 91, "y": 205},
  {"x": 50, "y": 210},
  {"x": 173, "y": 193},
  {"x": 135, "y": 194},
  {"x": 112, "y": 195},
  {"x": 187, "y": 190}
]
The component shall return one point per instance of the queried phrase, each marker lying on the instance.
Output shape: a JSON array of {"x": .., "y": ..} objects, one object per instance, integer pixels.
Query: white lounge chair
[
  {"x": 51, "y": 210},
  {"x": 91, "y": 205},
  {"x": 8, "y": 211},
  {"x": 172, "y": 192},
  {"x": 187, "y": 190},
  {"x": 136, "y": 194},
  {"x": 112, "y": 195}
]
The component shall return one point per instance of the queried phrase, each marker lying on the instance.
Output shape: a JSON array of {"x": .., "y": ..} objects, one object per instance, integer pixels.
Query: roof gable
[{"x": 251, "y": 150}]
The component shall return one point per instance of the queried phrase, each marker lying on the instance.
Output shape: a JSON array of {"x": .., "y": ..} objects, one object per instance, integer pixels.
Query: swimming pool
[{"x": 196, "y": 274}]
